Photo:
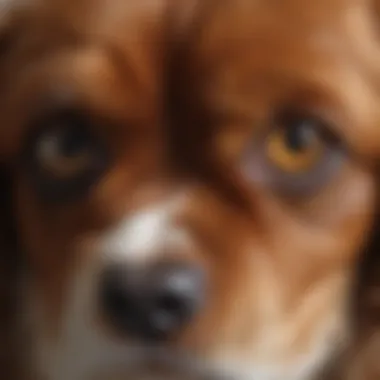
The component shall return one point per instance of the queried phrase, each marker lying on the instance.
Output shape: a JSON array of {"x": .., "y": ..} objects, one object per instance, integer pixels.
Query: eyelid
[{"x": 329, "y": 123}]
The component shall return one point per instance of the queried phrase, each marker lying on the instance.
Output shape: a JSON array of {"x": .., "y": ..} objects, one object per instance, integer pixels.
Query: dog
[{"x": 191, "y": 192}]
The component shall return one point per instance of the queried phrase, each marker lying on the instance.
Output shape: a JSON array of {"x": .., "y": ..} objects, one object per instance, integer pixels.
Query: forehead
[
  {"x": 298, "y": 32},
  {"x": 323, "y": 55},
  {"x": 106, "y": 57},
  {"x": 134, "y": 29},
  {"x": 286, "y": 15}
]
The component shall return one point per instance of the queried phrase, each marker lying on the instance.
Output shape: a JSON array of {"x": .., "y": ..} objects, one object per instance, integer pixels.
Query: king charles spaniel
[{"x": 193, "y": 185}]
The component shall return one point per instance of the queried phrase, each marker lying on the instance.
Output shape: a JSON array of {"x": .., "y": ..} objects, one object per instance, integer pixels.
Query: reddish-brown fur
[{"x": 228, "y": 71}]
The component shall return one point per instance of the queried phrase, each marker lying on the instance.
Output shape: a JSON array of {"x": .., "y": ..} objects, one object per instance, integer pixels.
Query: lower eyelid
[
  {"x": 258, "y": 170},
  {"x": 314, "y": 181}
]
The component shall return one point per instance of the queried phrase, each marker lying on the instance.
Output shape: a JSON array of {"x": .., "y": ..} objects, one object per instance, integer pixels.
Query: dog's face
[{"x": 194, "y": 216}]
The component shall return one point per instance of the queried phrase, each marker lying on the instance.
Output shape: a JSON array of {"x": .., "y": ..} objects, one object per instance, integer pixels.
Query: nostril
[
  {"x": 176, "y": 296},
  {"x": 161, "y": 322},
  {"x": 169, "y": 303},
  {"x": 116, "y": 301},
  {"x": 167, "y": 313}
]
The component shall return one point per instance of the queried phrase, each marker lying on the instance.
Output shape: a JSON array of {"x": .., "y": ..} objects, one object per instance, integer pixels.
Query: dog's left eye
[
  {"x": 296, "y": 148},
  {"x": 65, "y": 156},
  {"x": 297, "y": 156}
]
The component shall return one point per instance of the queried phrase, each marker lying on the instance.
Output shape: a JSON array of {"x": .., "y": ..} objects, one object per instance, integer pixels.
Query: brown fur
[{"x": 177, "y": 110}]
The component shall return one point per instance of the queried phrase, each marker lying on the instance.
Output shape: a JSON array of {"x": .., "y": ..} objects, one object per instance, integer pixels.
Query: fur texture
[{"x": 177, "y": 91}]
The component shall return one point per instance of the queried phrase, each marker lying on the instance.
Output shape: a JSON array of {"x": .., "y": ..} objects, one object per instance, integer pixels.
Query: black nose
[{"x": 152, "y": 304}]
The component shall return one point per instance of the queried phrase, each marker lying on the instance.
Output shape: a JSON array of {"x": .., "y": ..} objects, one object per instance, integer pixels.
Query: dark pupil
[
  {"x": 300, "y": 136},
  {"x": 73, "y": 138}
]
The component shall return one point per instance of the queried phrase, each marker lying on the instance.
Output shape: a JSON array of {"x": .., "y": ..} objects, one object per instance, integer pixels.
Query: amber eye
[
  {"x": 296, "y": 157},
  {"x": 296, "y": 148},
  {"x": 64, "y": 153},
  {"x": 65, "y": 156}
]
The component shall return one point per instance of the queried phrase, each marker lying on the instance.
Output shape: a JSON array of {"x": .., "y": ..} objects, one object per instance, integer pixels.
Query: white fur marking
[{"x": 143, "y": 235}]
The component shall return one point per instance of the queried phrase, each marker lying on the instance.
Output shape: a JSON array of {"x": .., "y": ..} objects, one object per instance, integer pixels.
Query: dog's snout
[{"x": 154, "y": 303}]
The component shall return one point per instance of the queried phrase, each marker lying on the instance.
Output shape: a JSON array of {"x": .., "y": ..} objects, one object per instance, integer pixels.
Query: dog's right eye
[{"x": 65, "y": 157}]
